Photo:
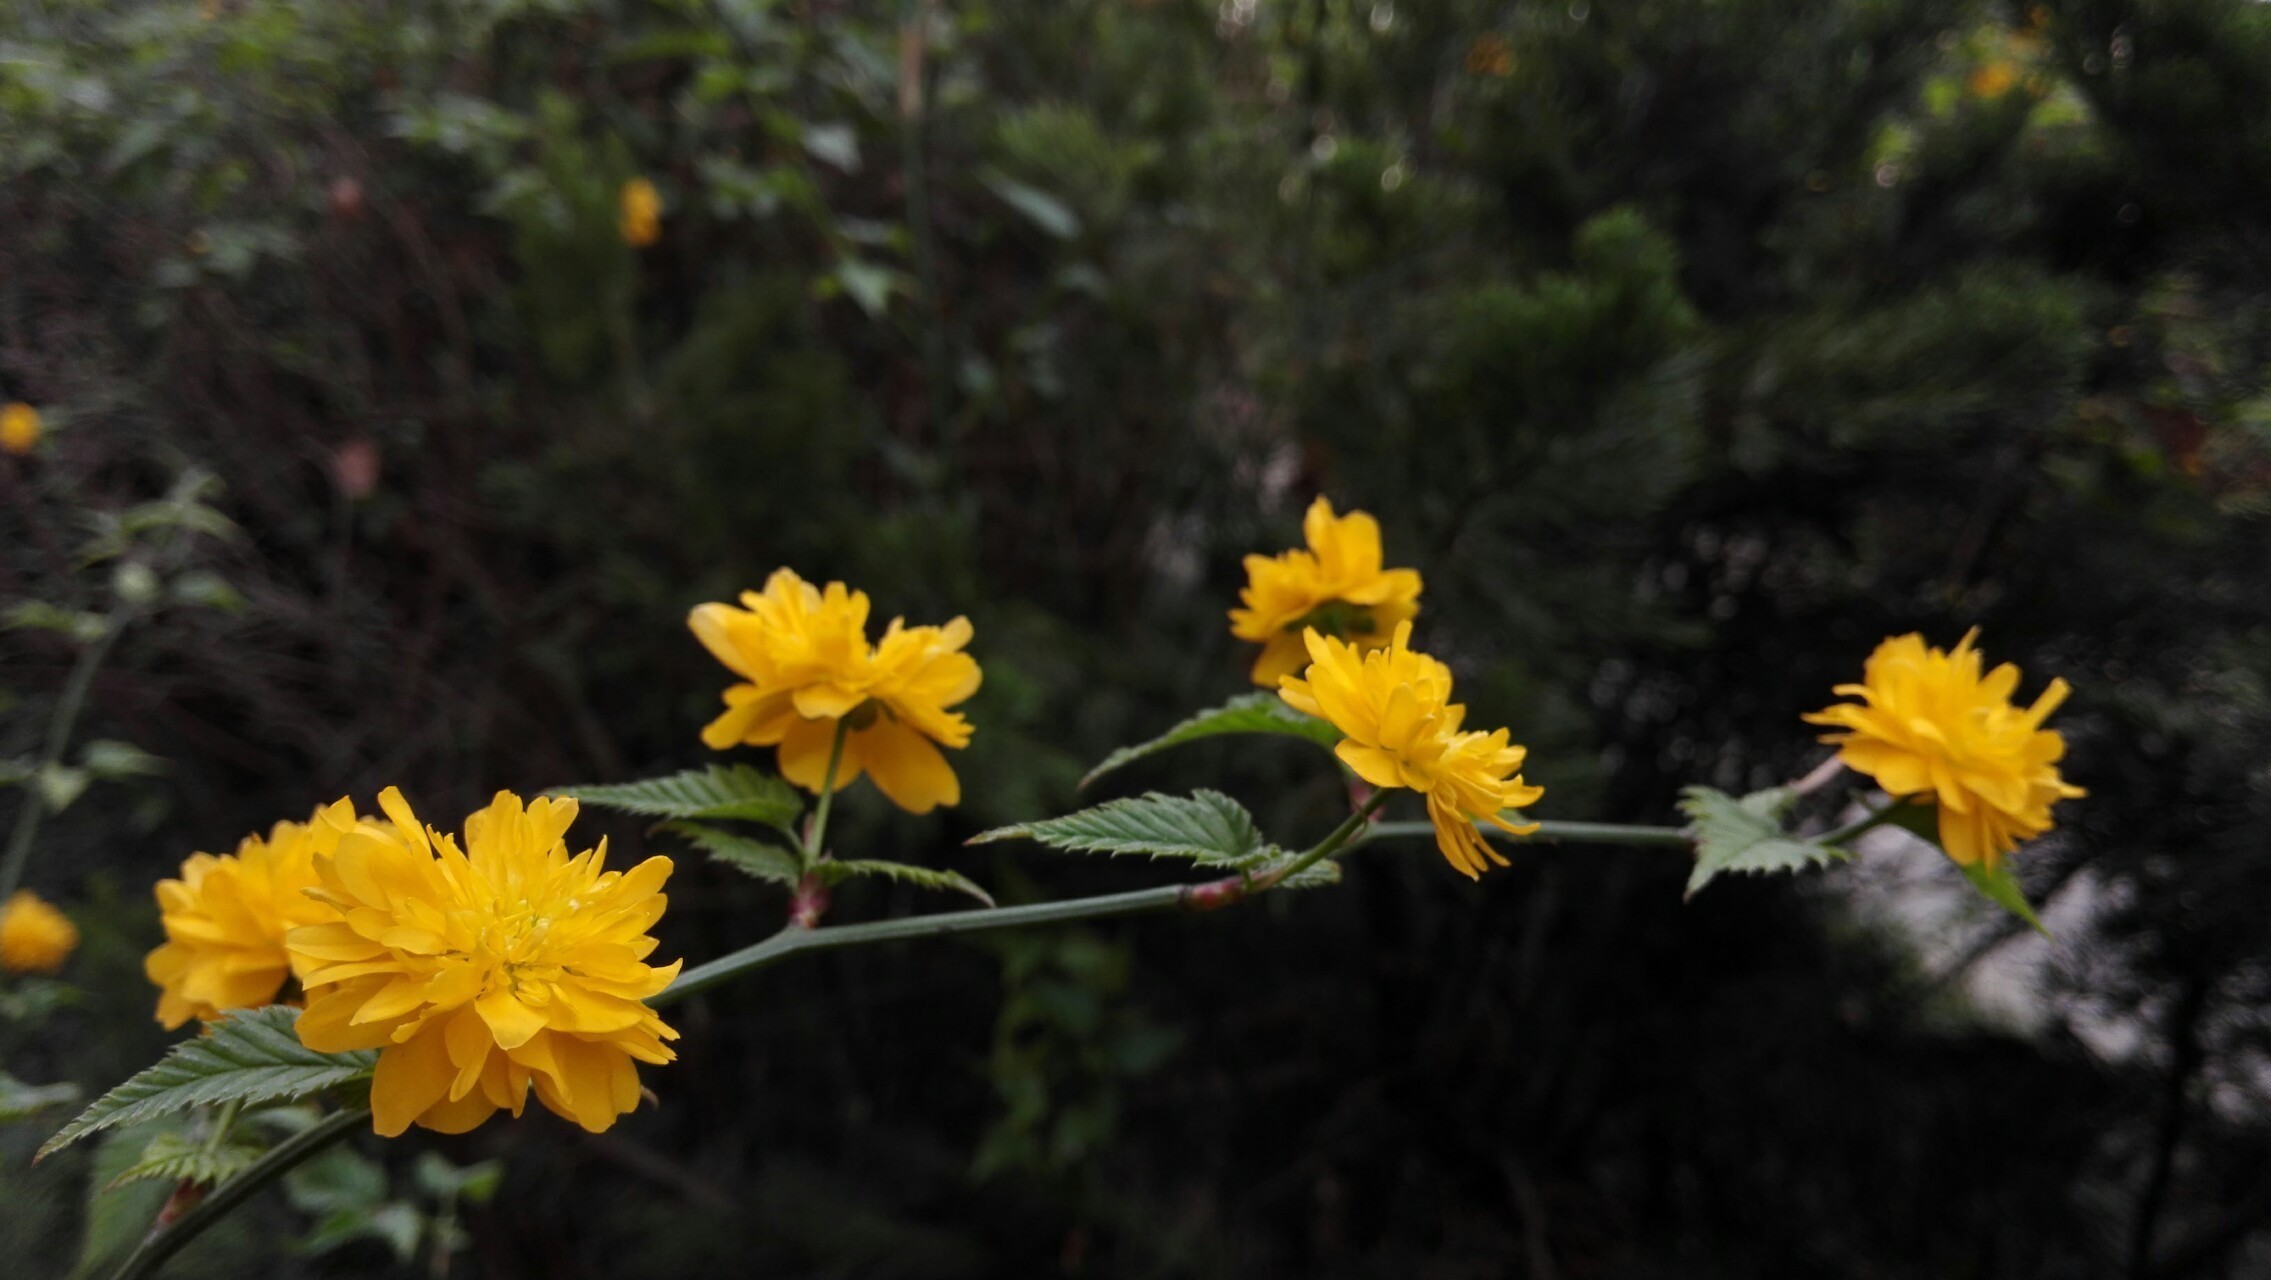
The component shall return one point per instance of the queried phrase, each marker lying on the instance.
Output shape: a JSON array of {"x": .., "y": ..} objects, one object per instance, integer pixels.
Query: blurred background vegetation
[{"x": 1688, "y": 348}]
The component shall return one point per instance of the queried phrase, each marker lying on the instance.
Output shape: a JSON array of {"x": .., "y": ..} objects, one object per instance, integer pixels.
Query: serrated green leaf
[
  {"x": 1206, "y": 827},
  {"x": 252, "y": 1056},
  {"x": 176, "y": 1157},
  {"x": 835, "y": 871},
  {"x": 2001, "y": 887},
  {"x": 750, "y": 857},
  {"x": 1246, "y": 713},
  {"x": 720, "y": 791},
  {"x": 1746, "y": 835},
  {"x": 20, "y": 1101}
]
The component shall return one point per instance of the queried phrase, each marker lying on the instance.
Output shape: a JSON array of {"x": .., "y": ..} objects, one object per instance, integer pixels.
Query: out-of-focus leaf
[
  {"x": 1040, "y": 208},
  {"x": 20, "y": 1101},
  {"x": 110, "y": 758}
]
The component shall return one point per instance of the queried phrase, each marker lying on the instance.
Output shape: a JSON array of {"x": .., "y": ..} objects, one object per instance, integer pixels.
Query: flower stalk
[
  {"x": 1869, "y": 821},
  {"x": 816, "y": 835},
  {"x": 1325, "y": 848},
  {"x": 59, "y": 730},
  {"x": 1549, "y": 832}
]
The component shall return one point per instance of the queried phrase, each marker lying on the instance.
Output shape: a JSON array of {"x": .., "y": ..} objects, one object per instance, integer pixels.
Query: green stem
[
  {"x": 59, "y": 727},
  {"x": 1555, "y": 833},
  {"x": 793, "y": 940},
  {"x": 1866, "y": 822},
  {"x": 224, "y": 1121},
  {"x": 815, "y": 836},
  {"x": 167, "y": 1240},
  {"x": 1327, "y": 847}
]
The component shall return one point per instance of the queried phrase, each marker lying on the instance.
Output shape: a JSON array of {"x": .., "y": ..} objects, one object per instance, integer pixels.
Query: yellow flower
[
  {"x": 1490, "y": 55},
  {"x": 641, "y": 218},
  {"x": 483, "y": 971},
  {"x": 34, "y": 937},
  {"x": 1994, "y": 79},
  {"x": 19, "y": 427},
  {"x": 1336, "y": 586},
  {"x": 1402, "y": 728},
  {"x": 1928, "y": 724},
  {"x": 226, "y": 918},
  {"x": 805, "y": 654}
]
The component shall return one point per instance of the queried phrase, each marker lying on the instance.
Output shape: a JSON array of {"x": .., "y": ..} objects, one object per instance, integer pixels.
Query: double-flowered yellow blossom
[
  {"x": 1336, "y": 587},
  {"x": 34, "y": 937},
  {"x": 226, "y": 917},
  {"x": 20, "y": 427},
  {"x": 483, "y": 971},
  {"x": 1402, "y": 730},
  {"x": 805, "y": 655},
  {"x": 640, "y": 216},
  {"x": 1930, "y": 725}
]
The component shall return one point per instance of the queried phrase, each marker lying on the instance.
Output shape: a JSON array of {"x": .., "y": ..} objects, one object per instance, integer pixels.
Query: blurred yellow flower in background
[
  {"x": 1490, "y": 55},
  {"x": 1928, "y": 724},
  {"x": 641, "y": 218},
  {"x": 1403, "y": 730},
  {"x": 34, "y": 937},
  {"x": 1336, "y": 587},
  {"x": 20, "y": 427},
  {"x": 1994, "y": 79},
  {"x": 483, "y": 971},
  {"x": 226, "y": 917},
  {"x": 805, "y": 655}
]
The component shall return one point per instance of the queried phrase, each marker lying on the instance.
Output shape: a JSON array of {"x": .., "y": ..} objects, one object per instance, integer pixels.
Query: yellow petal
[
  {"x": 411, "y": 1077},
  {"x": 510, "y": 1021},
  {"x": 908, "y": 768}
]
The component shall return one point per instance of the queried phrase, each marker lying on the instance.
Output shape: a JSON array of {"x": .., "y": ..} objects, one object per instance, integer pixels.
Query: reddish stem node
[
  {"x": 810, "y": 902},
  {"x": 1215, "y": 894}
]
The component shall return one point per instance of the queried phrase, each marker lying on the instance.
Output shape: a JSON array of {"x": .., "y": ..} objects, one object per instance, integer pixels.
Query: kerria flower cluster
[
  {"x": 483, "y": 971},
  {"x": 34, "y": 936},
  {"x": 20, "y": 427},
  {"x": 1336, "y": 587},
  {"x": 1402, "y": 730},
  {"x": 226, "y": 917},
  {"x": 808, "y": 666},
  {"x": 1928, "y": 725},
  {"x": 639, "y": 213}
]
